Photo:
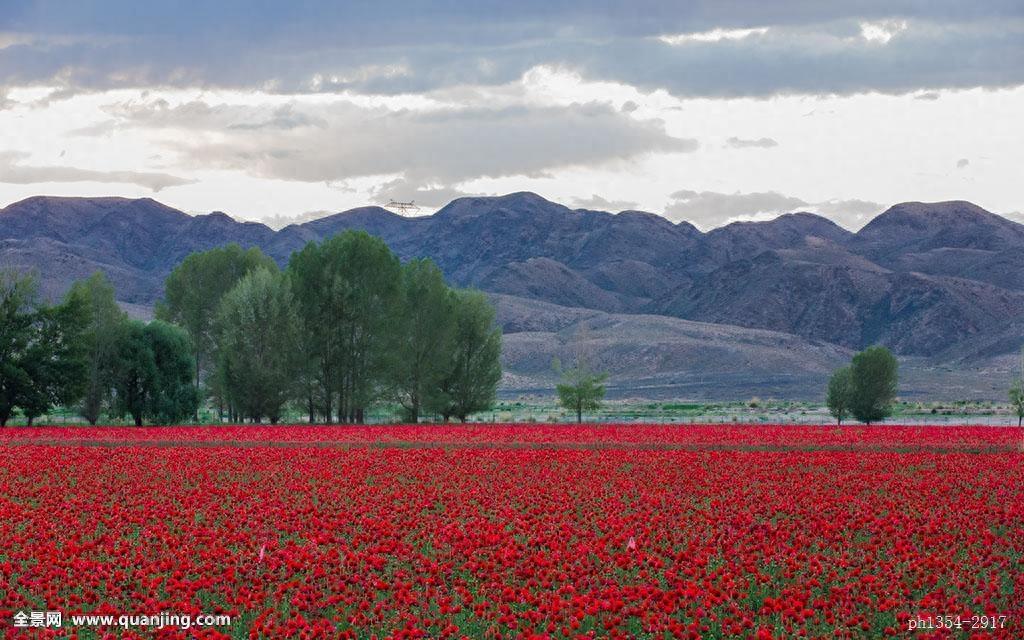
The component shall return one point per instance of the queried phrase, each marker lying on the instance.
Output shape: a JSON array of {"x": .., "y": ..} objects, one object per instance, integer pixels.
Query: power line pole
[{"x": 403, "y": 208}]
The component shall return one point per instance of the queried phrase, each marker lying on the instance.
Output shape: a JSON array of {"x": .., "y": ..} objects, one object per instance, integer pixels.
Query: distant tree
[
  {"x": 874, "y": 382},
  {"x": 104, "y": 320},
  {"x": 840, "y": 394},
  {"x": 580, "y": 388},
  {"x": 258, "y": 345},
  {"x": 153, "y": 373},
  {"x": 194, "y": 289},
  {"x": 18, "y": 307},
  {"x": 1017, "y": 399},
  {"x": 475, "y": 368},
  {"x": 423, "y": 341},
  {"x": 346, "y": 291}
]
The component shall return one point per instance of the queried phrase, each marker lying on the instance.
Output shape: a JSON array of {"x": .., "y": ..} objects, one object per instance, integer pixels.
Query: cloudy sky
[{"x": 707, "y": 111}]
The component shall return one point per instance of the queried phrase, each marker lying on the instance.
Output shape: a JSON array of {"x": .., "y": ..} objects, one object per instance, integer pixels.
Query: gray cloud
[
  {"x": 597, "y": 203},
  {"x": 927, "y": 95},
  {"x": 708, "y": 209},
  {"x": 741, "y": 143},
  {"x": 962, "y": 163},
  {"x": 12, "y": 172},
  {"x": 410, "y": 46},
  {"x": 423, "y": 194},
  {"x": 280, "y": 222},
  {"x": 283, "y": 118},
  {"x": 342, "y": 140}
]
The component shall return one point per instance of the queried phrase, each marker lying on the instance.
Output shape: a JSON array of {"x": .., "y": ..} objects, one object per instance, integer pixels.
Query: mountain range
[{"x": 751, "y": 307}]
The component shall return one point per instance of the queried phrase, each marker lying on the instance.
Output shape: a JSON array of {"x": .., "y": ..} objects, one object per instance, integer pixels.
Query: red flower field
[{"x": 519, "y": 531}]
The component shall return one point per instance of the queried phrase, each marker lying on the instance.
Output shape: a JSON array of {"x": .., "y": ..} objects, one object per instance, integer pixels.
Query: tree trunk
[
  {"x": 579, "y": 414},
  {"x": 197, "y": 385},
  {"x": 138, "y": 419}
]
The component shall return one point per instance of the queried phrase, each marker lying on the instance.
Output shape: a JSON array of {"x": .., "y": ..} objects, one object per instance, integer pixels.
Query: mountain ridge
[{"x": 926, "y": 279}]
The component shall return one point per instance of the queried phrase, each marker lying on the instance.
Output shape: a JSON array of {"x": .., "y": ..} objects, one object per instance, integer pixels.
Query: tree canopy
[
  {"x": 258, "y": 345},
  {"x": 867, "y": 388},
  {"x": 840, "y": 391},
  {"x": 345, "y": 326},
  {"x": 194, "y": 289}
]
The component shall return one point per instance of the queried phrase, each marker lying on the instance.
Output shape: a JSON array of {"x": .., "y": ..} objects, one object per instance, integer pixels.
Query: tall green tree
[
  {"x": 475, "y": 368},
  {"x": 173, "y": 397},
  {"x": 56, "y": 359},
  {"x": 258, "y": 345},
  {"x": 346, "y": 291},
  {"x": 874, "y": 379},
  {"x": 41, "y": 354},
  {"x": 194, "y": 289},
  {"x": 104, "y": 321},
  {"x": 424, "y": 340},
  {"x": 133, "y": 373},
  {"x": 153, "y": 373},
  {"x": 1017, "y": 399},
  {"x": 18, "y": 308},
  {"x": 580, "y": 389},
  {"x": 840, "y": 394}
]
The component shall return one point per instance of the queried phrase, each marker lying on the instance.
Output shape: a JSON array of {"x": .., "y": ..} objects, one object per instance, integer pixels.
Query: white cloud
[
  {"x": 341, "y": 140},
  {"x": 714, "y": 35},
  {"x": 882, "y": 31}
]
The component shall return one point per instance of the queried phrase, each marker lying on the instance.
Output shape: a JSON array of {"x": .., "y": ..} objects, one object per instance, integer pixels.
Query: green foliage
[
  {"x": 424, "y": 341},
  {"x": 152, "y": 373},
  {"x": 104, "y": 321},
  {"x": 874, "y": 383},
  {"x": 840, "y": 394},
  {"x": 133, "y": 373},
  {"x": 18, "y": 307},
  {"x": 194, "y": 289},
  {"x": 580, "y": 389},
  {"x": 56, "y": 358},
  {"x": 347, "y": 291},
  {"x": 42, "y": 355},
  {"x": 1017, "y": 399},
  {"x": 172, "y": 398},
  {"x": 258, "y": 345},
  {"x": 346, "y": 326},
  {"x": 475, "y": 368}
]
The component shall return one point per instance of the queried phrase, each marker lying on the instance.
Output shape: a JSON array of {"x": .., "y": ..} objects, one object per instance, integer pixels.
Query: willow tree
[
  {"x": 258, "y": 345},
  {"x": 104, "y": 319},
  {"x": 424, "y": 340},
  {"x": 194, "y": 289},
  {"x": 346, "y": 293},
  {"x": 475, "y": 363}
]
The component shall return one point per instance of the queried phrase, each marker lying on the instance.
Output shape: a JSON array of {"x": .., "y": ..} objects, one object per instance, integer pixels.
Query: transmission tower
[{"x": 404, "y": 208}]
